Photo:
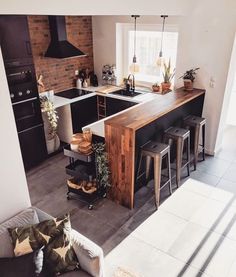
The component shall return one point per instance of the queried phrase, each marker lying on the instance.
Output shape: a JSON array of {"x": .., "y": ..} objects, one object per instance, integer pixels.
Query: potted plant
[
  {"x": 189, "y": 77},
  {"x": 168, "y": 75},
  {"x": 52, "y": 139},
  {"x": 156, "y": 87}
]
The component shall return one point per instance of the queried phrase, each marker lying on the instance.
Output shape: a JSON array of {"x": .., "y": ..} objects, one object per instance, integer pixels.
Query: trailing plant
[
  {"x": 168, "y": 75},
  {"x": 190, "y": 74},
  {"x": 102, "y": 167},
  {"x": 48, "y": 107}
]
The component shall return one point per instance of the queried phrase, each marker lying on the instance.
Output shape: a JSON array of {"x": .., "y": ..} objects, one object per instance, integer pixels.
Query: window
[{"x": 147, "y": 50}]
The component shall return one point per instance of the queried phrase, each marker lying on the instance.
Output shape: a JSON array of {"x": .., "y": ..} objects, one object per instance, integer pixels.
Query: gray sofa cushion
[{"x": 24, "y": 218}]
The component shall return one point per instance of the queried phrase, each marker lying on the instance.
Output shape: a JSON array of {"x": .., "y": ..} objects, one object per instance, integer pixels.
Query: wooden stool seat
[
  {"x": 181, "y": 137},
  {"x": 156, "y": 151},
  {"x": 197, "y": 124}
]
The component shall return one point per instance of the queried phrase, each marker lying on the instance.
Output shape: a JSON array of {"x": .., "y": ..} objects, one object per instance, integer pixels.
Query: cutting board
[{"x": 108, "y": 89}]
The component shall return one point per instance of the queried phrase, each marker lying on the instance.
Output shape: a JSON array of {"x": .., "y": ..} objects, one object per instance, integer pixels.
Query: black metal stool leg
[
  {"x": 203, "y": 142},
  {"x": 179, "y": 156},
  {"x": 169, "y": 171},
  {"x": 188, "y": 155}
]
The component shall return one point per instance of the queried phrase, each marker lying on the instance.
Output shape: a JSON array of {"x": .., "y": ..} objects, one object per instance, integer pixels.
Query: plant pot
[
  {"x": 155, "y": 88},
  {"x": 53, "y": 144},
  {"x": 165, "y": 86},
  {"x": 188, "y": 84}
]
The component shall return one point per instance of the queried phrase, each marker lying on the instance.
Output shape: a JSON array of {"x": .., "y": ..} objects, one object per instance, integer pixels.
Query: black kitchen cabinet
[
  {"x": 33, "y": 147},
  {"x": 83, "y": 113},
  {"x": 116, "y": 105},
  {"x": 15, "y": 40}
]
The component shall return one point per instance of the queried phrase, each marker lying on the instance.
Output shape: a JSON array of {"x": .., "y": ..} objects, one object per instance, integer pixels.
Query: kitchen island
[{"x": 125, "y": 133}]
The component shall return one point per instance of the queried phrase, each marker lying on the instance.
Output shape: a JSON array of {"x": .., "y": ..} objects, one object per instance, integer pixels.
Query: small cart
[{"x": 82, "y": 167}]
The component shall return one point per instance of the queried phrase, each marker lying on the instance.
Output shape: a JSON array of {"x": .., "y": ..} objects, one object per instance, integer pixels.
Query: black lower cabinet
[
  {"x": 83, "y": 113},
  {"x": 117, "y": 105},
  {"x": 33, "y": 146}
]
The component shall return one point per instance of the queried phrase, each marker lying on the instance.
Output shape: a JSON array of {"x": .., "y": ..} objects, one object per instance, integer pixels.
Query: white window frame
[{"x": 122, "y": 44}]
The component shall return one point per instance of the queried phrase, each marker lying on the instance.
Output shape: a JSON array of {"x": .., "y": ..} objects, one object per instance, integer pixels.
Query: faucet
[{"x": 132, "y": 86}]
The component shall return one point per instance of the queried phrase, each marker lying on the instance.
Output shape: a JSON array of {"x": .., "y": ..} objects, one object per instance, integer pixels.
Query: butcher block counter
[{"x": 127, "y": 132}]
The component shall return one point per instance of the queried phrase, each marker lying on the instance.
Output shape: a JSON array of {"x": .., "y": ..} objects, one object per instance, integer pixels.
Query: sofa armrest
[
  {"x": 42, "y": 215},
  {"x": 89, "y": 254}
]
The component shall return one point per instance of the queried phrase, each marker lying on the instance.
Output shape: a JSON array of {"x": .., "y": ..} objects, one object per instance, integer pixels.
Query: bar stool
[
  {"x": 181, "y": 137},
  {"x": 198, "y": 124},
  {"x": 156, "y": 151}
]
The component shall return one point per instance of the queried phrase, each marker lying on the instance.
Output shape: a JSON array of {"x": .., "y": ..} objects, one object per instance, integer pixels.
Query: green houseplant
[
  {"x": 102, "y": 167},
  {"x": 189, "y": 77},
  {"x": 168, "y": 75},
  {"x": 51, "y": 122}
]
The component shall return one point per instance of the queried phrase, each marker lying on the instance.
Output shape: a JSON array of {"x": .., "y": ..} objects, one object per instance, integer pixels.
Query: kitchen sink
[{"x": 124, "y": 92}]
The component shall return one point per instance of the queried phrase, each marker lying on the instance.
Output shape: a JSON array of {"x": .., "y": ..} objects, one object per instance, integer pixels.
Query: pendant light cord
[
  {"x": 162, "y": 32},
  {"x": 135, "y": 34}
]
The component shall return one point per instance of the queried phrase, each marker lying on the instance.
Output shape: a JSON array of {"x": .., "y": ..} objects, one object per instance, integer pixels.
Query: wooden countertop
[{"x": 141, "y": 115}]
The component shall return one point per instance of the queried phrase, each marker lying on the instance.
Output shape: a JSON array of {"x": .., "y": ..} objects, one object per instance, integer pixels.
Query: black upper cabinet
[
  {"x": 83, "y": 113},
  {"x": 116, "y": 105},
  {"x": 15, "y": 40}
]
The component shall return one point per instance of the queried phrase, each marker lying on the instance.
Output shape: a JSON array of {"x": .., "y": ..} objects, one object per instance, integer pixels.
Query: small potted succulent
[
  {"x": 189, "y": 77},
  {"x": 168, "y": 75},
  {"x": 156, "y": 87}
]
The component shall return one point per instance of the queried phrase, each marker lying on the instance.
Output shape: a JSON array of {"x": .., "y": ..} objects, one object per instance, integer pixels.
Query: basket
[{"x": 86, "y": 187}]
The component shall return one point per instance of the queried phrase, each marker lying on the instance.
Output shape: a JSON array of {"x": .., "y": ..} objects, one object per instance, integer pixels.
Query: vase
[
  {"x": 188, "y": 84},
  {"x": 155, "y": 88},
  {"x": 53, "y": 144},
  {"x": 165, "y": 86}
]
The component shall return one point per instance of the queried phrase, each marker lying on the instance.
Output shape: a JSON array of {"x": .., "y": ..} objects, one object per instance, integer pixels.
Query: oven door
[{"x": 27, "y": 113}]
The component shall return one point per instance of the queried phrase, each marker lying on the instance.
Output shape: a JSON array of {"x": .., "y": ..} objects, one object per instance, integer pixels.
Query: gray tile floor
[
  {"x": 193, "y": 233},
  {"x": 108, "y": 223}
]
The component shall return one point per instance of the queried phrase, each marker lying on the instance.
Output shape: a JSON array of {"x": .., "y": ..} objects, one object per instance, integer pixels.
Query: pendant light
[
  {"x": 134, "y": 67},
  {"x": 160, "y": 57}
]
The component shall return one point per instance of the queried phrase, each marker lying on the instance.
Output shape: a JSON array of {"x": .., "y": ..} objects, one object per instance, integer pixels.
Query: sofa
[{"x": 89, "y": 254}]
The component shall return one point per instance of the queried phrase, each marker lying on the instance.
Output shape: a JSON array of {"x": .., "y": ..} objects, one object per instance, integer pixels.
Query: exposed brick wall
[{"x": 58, "y": 74}]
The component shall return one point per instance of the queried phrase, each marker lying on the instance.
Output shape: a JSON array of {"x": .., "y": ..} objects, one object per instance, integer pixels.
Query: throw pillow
[
  {"x": 25, "y": 218},
  {"x": 23, "y": 266},
  {"x": 30, "y": 238},
  {"x": 60, "y": 256}
]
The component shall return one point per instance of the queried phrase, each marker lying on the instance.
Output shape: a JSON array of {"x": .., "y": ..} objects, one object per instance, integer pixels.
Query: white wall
[
  {"x": 205, "y": 40},
  {"x": 14, "y": 195}
]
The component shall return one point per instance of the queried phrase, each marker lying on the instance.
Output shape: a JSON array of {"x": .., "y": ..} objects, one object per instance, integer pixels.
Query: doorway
[{"x": 226, "y": 146}]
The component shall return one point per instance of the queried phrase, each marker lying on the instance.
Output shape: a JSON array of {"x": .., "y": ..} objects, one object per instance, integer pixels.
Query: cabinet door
[
  {"x": 83, "y": 113},
  {"x": 117, "y": 105},
  {"x": 33, "y": 146},
  {"x": 14, "y": 36}
]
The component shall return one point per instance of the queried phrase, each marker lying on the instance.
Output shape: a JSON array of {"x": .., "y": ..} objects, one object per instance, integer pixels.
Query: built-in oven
[
  {"x": 27, "y": 111},
  {"x": 22, "y": 82}
]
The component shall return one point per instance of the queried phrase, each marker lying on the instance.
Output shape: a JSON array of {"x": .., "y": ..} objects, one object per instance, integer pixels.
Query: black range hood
[{"x": 59, "y": 46}]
